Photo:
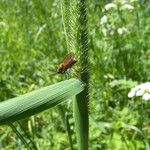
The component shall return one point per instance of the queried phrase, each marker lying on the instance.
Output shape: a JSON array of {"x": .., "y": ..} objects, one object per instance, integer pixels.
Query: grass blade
[{"x": 38, "y": 100}]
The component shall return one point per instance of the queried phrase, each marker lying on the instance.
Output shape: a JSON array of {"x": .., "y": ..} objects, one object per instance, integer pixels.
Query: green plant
[
  {"x": 75, "y": 24},
  {"x": 37, "y": 101},
  {"x": 32, "y": 43}
]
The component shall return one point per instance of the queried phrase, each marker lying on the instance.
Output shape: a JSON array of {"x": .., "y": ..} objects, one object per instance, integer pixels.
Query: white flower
[
  {"x": 110, "y": 6},
  {"x": 123, "y": 2},
  {"x": 127, "y": 6},
  {"x": 146, "y": 96},
  {"x": 103, "y": 20},
  {"x": 141, "y": 90},
  {"x": 104, "y": 31},
  {"x": 122, "y": 30},
  {"x": 145, "y": 86},
  {"x": 132, "y": 93}
]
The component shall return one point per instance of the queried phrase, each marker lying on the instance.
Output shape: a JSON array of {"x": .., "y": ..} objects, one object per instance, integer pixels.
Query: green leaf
[{"x": 38, "y": 100}]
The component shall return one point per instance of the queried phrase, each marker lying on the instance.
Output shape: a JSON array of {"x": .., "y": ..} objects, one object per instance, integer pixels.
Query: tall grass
[
  {"x": 32, "y": 43},
  {"x": 75, "y": 24}
]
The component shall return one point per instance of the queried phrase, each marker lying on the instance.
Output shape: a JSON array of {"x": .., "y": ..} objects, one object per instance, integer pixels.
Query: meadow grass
[{"x": 32, "y": 43}]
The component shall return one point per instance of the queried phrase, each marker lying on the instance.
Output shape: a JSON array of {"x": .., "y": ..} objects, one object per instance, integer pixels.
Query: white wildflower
[
  {"x": 103, "y": 19},
  {"x": 146, "y": 96},
  {"x": 132, "y": 93},
  {"x": 110, "y": 6},
  {"x": 123, "y": 2},
  {"x": 141, "y": 90},
  {"x": 127, "y": 6},
  {"x": 122, "y": 30},
  {"x": 104, "y": 31},
  {"x": 145, "y": 86}
]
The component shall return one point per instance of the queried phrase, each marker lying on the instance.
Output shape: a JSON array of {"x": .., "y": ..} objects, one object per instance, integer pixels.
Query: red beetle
[{"x": 68, "y": 62}]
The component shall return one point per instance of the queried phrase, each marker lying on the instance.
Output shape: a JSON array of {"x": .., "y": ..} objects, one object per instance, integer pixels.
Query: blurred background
[{"x": 32, "y": 44}]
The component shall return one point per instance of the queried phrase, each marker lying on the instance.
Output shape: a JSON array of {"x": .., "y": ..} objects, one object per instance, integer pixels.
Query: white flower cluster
[
  {"x": 127, "y": 6},
  {"x": 122, "y": 30},
  {"x": 103, "y": 20},
  {"x": 110, "y": 6},
  {"x": 141, "y": 90},
  {"x": 124, "y": 6},
  {"x": 106, "y": 21},
  {"x": 126, "y": 1}
]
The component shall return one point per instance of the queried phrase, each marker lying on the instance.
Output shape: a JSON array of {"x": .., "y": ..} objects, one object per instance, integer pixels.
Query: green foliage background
[{"x": 32, "y": 43}]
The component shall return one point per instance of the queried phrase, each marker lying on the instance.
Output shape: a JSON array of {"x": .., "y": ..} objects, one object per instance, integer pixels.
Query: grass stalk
[
  {"x": 65, "y": 120},
  {"x": 75, "y": 23}
]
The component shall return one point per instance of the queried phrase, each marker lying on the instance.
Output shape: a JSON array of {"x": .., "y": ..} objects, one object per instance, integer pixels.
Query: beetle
[{"x": 67, "y": 63}]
